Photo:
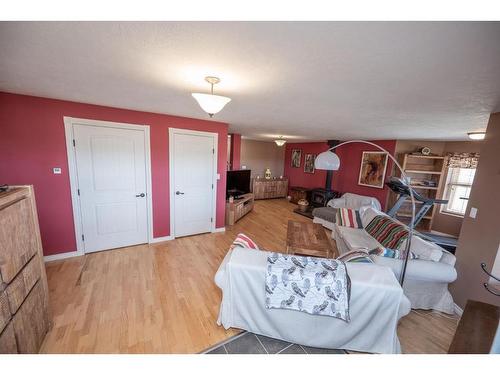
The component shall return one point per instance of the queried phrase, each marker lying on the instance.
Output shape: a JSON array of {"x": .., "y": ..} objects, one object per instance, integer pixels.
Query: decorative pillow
[
  {"x": 390, "y": 253},
  {"x": 347, "y": 217},
  {"x": 242, "y": 240},
  {"x": 355, "y": 256},
  {"x": 388, "y": 232}
]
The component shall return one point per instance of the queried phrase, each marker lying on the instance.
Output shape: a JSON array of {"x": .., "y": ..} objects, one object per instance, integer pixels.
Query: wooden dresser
[
  {"x": 24, "y": 315},
  {"x": 267, "y": 189}
]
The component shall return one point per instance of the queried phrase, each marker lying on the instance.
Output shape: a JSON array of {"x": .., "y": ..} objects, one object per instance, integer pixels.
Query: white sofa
[
  {"x": 427, "y": 277},
  {"x": 377, "y": 303},
  {"x": 326, "y": 215}
]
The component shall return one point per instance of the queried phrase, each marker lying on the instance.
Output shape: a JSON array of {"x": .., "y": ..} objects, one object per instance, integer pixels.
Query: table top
[{"x": 307, "y": 238}]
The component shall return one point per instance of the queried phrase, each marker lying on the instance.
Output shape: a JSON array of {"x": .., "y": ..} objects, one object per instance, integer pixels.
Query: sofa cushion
[
  {"x": 356, "y": 239},
  {"x": 347, "y": 217},
  {"x": 423, "y": 249},
  {"x": 388, "y": 232},
  {"x": 368, "y": 213},
  {"x": 325, "y": 213},
  {"x": 390, "y": 253}
]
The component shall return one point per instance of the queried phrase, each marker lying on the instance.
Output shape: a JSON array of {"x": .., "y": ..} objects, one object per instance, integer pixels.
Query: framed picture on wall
[
  {"x": 309, "y": 163},
  {"x": 372, "y": 170},
  {"x": 296, "y": 157}
]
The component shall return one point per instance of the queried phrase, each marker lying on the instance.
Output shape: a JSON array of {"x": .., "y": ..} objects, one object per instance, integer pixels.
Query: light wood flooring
[{"x": 161, "y": 298}]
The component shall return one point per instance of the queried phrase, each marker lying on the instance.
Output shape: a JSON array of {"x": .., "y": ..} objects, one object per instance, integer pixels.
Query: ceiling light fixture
[
  {"x": 477, "y": 136},
  {"x": 211, "y": 103},
  {"x": 280, "y": 142}
]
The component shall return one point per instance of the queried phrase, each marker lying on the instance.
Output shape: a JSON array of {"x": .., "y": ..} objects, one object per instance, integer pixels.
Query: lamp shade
[
  {"x": 280, "y": 142},
  {"x": 210, "y": 103},
  {"x": 327, "y": 160}
]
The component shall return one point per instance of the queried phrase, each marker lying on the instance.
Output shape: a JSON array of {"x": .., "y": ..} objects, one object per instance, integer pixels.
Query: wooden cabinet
[
  {"x": 268, "y": 189},
  {"x": 297, "y": 193},
  {"x": 24, "y": 316},
  {"x": 238, "y": 208}
]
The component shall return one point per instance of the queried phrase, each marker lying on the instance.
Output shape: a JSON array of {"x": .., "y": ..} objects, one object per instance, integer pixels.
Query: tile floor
[{"x": 249, "y": 343}]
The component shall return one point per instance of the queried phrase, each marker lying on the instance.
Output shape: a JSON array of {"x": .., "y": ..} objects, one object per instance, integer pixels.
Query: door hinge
[
  {"x": 211, "y": 219},
  {"x": 74, "y": 143},
  {"x": 212, "y": 186},
  {"x": 78, "y": 191},
  {"x": 213, "y": 151},
  {"x": 83, "y": 237}
]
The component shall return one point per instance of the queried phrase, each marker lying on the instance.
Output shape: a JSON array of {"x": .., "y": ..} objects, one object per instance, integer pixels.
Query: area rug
[{"x": 249, "y": 343}]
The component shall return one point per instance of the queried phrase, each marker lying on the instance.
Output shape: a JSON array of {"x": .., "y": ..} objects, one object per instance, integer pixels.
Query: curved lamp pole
[{"x": 329, "y": 161}]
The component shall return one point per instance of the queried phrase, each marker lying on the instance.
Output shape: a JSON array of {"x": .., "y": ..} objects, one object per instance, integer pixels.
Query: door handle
[
  {"x": 178, "y": 193},
  {"x": 142, "y": 195}
]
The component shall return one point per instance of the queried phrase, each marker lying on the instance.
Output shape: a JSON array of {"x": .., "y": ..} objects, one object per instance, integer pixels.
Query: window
[{"x": 457, "y": 190}]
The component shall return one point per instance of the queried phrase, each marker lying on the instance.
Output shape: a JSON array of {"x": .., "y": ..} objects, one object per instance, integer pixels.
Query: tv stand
[{"x": 238, "y": 208}]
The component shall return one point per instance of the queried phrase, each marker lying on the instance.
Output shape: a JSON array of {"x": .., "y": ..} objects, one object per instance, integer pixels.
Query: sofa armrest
[
  {"x": 337, "y": 203},
  {"x": 448, "y": 258}
]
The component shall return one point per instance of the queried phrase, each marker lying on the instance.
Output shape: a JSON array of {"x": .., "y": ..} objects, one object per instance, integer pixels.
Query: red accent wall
[
  {"x": 235, "y": 151},
  {"x": 32, "y": 142},
  {"x": 346, "y": 178}
]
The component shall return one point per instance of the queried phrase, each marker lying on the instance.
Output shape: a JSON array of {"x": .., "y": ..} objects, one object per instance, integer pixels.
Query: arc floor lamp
[{"x": 330, "y": 161}]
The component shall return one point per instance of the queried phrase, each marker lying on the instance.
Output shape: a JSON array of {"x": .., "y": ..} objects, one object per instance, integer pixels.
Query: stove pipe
[{"x": 329, "y": 174}]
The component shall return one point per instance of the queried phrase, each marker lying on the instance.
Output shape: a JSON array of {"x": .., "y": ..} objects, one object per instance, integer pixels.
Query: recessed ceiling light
[{"x": 477, "y": 136}]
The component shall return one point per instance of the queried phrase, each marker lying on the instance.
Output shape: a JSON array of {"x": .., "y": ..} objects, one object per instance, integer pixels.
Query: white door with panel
[
  {"x": 111, "y": 170},
  {"x": 193, "y": 167}
]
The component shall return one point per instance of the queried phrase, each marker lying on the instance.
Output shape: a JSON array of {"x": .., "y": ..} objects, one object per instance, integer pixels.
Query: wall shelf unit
[{"x": 426, "y": 174}]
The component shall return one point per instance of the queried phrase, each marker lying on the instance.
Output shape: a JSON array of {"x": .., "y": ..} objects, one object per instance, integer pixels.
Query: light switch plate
[
  {"x": 57, "y": 170},
  {"x": 473, "y": 212},
  {"x": 218, "y": 176}
]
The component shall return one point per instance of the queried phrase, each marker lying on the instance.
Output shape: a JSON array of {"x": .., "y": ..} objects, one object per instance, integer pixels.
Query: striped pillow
[
  {"x": 242, "y": 240},
  {"x": 388, "y": 232},
  {"x": 355, "y": 256},
  {"x": 347, "y": 217}
]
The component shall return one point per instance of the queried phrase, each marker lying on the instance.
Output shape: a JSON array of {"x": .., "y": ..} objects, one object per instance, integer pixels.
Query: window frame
[{"x": 447, "y": 192}]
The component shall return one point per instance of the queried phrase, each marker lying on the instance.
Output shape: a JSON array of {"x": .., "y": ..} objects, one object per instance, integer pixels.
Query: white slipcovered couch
[
  {"x": 427, "y": 277},
  {"x": 326, "y": 215}
]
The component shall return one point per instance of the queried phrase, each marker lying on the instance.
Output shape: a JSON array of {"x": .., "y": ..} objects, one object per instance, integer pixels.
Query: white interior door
[
  {"x": 193, "y": 184},
  {"x": 111, "y": 169}
]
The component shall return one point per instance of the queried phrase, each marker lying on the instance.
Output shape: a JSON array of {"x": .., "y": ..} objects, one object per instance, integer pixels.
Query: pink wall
[
  {"x": 235, "y": 151},
  {"x": 346, "y": 178},
  {"x": 297, "y": 176},
  {"x": 32, "y": 142}
]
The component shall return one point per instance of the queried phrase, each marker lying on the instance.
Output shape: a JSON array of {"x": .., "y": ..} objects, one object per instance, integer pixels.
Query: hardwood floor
[{"x": 161, "y": 298}]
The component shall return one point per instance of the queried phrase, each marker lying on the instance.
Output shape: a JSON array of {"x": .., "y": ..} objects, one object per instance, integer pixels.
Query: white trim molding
[
  {"x": 161, "y": 239},
  {"x": 215, "y": 136},
  {"x": 221, "y": 229},
  {"x": 73, "y": 175},
  {"x": 60, "y": 256}
]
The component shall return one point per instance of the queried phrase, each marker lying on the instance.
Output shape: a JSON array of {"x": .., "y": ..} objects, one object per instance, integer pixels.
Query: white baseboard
[
  {"x": 161, "y": 239},
  {"x": 458, "y": 310},
  {"x": 217, "y": 230},
  {"x": 69, "y": 254}
]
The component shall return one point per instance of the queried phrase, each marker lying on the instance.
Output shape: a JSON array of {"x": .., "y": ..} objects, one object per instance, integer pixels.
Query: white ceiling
[{"x": 303, "y": 80}]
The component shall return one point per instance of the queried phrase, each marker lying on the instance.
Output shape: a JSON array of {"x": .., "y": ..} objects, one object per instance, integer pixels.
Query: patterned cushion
[
  {"x": 388, "y": 232},
  {"x": 242, "y": 240},
  {"x": 390, "y": 253},
  {"x": 356, "y": 256},
  {"x": 349, "y": 218}
]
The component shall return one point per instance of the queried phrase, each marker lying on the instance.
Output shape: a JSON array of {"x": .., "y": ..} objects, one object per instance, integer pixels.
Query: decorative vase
[{"x": 268, "y": 174}]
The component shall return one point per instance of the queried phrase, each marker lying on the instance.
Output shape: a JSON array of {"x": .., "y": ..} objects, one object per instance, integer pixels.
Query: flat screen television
[{"x": 238, "y": 183}]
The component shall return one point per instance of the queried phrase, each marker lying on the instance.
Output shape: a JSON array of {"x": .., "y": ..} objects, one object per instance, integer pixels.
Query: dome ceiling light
[
  {"x": 477, "y": 136},
  {"x": 211, "y": 103},
  {"x": 280, "y": 141}
]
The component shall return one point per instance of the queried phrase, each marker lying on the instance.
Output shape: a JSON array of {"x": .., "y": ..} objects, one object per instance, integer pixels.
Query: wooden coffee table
[{"x": 306, "y": 238}]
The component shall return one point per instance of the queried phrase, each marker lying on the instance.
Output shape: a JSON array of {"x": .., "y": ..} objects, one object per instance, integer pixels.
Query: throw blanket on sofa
[
  {"x": 313, "y": 285},
  {"x": 387, "y": 231}
]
